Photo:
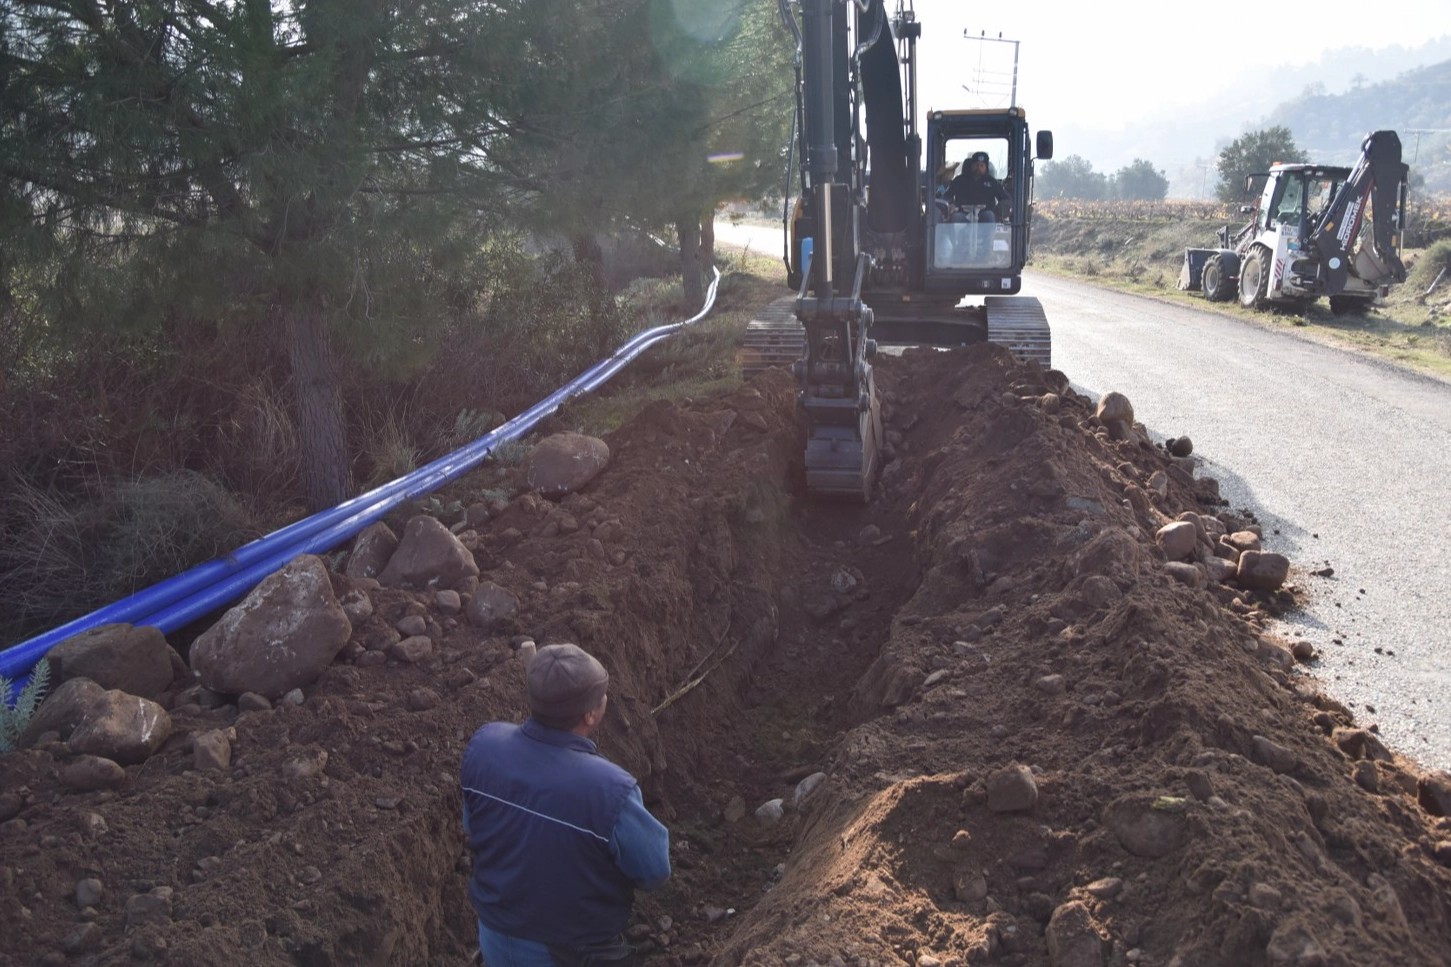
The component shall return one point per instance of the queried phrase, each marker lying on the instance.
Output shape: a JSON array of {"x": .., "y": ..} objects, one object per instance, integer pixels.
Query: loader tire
[
  {"x": 1215, "y": 281},
  {"x": 1254, "y": 278}
]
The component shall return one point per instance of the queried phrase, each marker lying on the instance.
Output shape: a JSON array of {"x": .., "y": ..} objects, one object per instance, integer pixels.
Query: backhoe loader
[{"x": 1316, "y": 230}]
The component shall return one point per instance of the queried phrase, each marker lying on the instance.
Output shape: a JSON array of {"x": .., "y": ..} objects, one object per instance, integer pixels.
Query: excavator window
[{"x": 972, "y": 208}]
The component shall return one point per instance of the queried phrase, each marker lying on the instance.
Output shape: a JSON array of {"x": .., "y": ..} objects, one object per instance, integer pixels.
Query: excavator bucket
[{"x": 842, "y": 457}]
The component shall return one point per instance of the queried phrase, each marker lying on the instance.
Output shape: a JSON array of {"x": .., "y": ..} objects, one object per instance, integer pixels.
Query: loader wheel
[
  {"x": 1254, "y": 278},
  {"x": 1213, "y": 280}
]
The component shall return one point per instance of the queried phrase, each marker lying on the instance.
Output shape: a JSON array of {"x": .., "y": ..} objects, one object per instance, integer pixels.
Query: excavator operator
[{"x": 975, "y": 189}]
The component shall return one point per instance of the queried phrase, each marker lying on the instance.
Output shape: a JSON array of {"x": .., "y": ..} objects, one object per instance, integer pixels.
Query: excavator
[
  {"x": 1316, "y": 230},
  {"x": 878, "y": 250}
]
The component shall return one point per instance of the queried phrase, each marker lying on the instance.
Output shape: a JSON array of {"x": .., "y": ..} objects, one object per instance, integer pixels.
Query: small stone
[
  {"x": 1272, "y": 754},
  {"x": 1051, "y": 684},
  {"x": 770, "y": 813},
  {"x": 422, "y": 699},
  {"x": 1012, "y": 789},
  {"x": 412, "y": 649},
  {"x": 413, "y": 624},
  {"x": 253, "y": 702},
  {"x": 87, "y": 773},
  {"x": 1366, "y": 776},
  {"x": 1264, "y": 896},
  {"x": 89, "y": 892},
  {"x": 1177, "y": 540},
  {"x": 806, "y": 787},
  {"x": 86, "y": 936},
  {"x": 211, "y": 751},
  {"x": 1185, "y": 573}
]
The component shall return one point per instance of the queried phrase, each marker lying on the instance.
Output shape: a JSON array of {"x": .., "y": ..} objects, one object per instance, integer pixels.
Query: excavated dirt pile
[{"x": 979, "y": 721}]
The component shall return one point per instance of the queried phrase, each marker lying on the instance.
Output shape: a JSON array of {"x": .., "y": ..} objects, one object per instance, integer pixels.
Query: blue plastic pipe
[{"x": 179, "y": 600}]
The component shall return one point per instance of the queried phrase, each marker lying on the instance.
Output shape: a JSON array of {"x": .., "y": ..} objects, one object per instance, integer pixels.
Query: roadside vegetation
[{"x": 257, "y": 259}]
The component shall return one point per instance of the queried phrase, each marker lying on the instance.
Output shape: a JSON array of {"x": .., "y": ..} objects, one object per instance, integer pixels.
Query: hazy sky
[{"x": 1099, "y": 64}]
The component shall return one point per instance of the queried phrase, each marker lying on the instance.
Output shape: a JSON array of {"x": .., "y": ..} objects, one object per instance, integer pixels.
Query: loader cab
[
  {"x": 977, "y": 217},
  {"x": 1295, "y": 197}
]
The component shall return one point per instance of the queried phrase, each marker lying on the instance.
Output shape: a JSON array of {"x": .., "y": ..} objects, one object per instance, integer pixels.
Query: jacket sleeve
[{"x": 640, "y": 844}]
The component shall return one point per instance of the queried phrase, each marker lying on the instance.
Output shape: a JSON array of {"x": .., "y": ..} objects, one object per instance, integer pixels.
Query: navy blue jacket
[{"x": 542, "y": 810}]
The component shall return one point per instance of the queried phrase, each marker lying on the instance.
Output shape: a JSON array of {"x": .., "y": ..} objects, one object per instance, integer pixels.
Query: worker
[
  {"x": 945, "y": 174},
  {"x": 976, "y": 189},
  {"x": 559, "y": 835}
]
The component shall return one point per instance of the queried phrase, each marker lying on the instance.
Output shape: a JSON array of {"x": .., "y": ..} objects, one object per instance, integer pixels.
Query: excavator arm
[
  {"x": 838, "y": 394},
  {"x": 1378, "y": 183}
]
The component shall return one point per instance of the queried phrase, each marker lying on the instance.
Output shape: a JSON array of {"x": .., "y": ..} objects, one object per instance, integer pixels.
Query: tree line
[
  {"x": 344, "y": 177},
  {"x": 1251, "y": 153}
]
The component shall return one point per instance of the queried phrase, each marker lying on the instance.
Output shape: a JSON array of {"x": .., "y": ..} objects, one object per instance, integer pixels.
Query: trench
[{"x": 791, "y": 706}]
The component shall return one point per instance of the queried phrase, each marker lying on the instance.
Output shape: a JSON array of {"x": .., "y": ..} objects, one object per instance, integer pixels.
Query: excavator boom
[{"x": 1376, "y": 182}]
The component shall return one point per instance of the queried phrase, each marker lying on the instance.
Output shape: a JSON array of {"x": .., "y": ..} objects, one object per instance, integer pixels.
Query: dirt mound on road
[{"x": 1000, "y": 729}]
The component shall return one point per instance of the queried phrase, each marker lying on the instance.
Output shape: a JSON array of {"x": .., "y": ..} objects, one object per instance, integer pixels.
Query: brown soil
[{"x": 1192, "y": 806}]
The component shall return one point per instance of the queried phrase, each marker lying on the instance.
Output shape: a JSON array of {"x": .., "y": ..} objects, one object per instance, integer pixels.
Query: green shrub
[
  {"x": 1433, "y": 262},
  {"x": 14, "y": 719}
]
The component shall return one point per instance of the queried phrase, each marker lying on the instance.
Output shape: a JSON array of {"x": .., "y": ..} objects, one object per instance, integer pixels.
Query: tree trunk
[
  {"x": 326, "y": 469},
  {"x": 707, "y": 242},
  {"x": 587, "y": 253},
  {"x": 688, "y": 231}
]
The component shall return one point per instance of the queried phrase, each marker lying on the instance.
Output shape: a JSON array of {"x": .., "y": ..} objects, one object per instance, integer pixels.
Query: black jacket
[{"x": 981, "y": 190}]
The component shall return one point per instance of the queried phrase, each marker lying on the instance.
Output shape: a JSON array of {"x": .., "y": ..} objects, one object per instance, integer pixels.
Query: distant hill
[
  {"x": 1417, "y": 105},
  {"x": 1329, "y": 105}
]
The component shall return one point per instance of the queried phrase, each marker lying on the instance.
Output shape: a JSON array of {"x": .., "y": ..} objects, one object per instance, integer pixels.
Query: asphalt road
[{"x": 1344, "y": 460}]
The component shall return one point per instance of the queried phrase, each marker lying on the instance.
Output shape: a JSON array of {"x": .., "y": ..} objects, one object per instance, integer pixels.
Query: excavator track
[
  {"x": 774, "y": 338},
  {"x": 1019, "y": 324},
  {"x": 777, "y": 338}
]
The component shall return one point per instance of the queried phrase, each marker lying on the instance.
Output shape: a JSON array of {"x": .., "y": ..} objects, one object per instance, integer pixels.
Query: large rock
[
  {"x": 1146, "y": 827},
  {"x": 134, "y": 659},
  {"x": 281, "y": 637},
  {"x": 565, "y": 462},
  {"x": 429, "y": 556},
  {"x": 123, "y": 728},
  {"x": 1262, "y": 570},
  {"x": 1114, "y": 554},
  {"x": 1012, "y": 789},
  {"x": 491, "y": 605},
  {"x": 1177, "y": 540},
  {"x": 1073, "y": 937},
  {"x": 371, "y": 552},
  {"x": 64, "y": 710},
  {"x": 1114, "y": 407}
]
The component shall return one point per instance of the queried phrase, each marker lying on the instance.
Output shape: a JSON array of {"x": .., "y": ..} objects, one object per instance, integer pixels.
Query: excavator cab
[{"x": 978, "y": 216}]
